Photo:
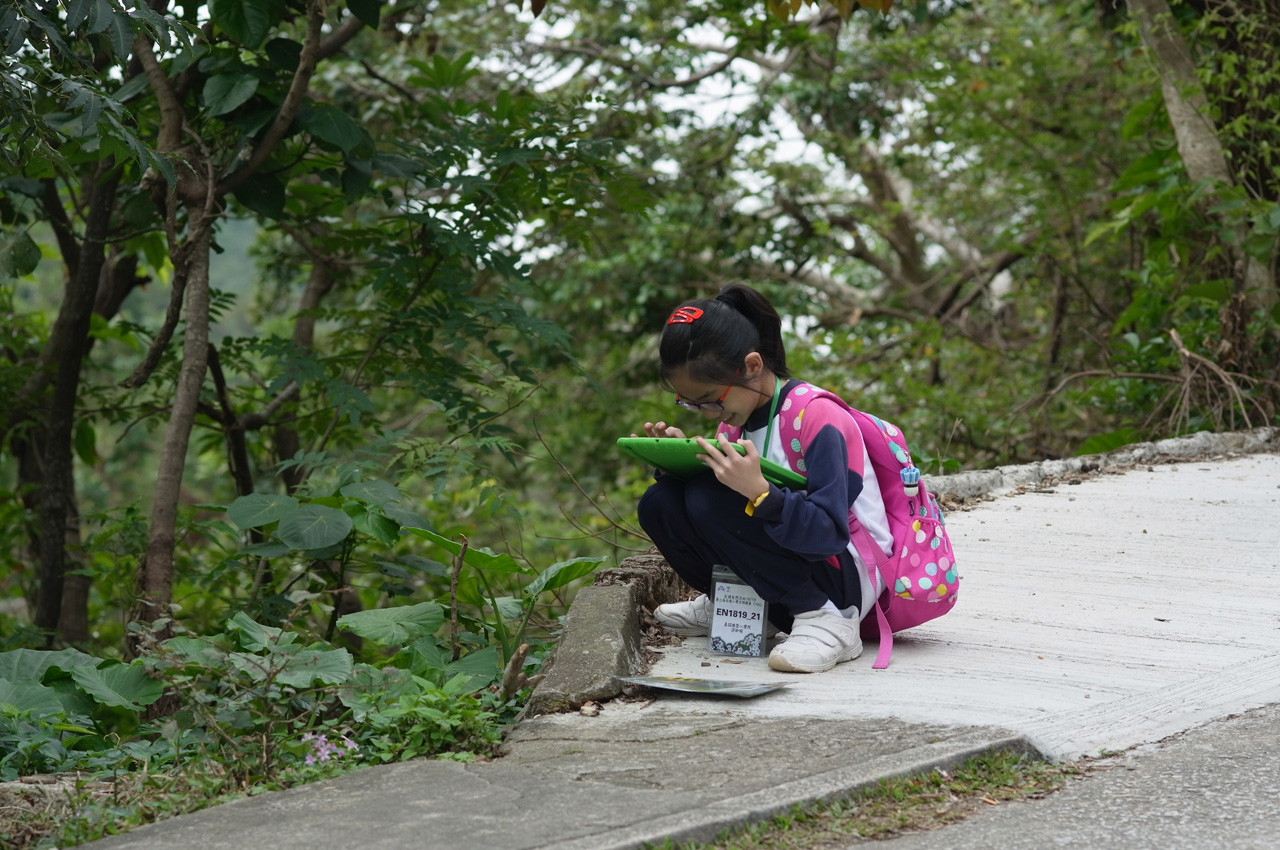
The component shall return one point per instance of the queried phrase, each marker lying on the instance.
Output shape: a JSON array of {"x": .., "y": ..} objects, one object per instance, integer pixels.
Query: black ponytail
[{"x": 711, "y": 347}]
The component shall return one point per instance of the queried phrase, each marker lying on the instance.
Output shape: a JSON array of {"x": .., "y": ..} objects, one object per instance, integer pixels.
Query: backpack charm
[{"x": 910, "y": 481}]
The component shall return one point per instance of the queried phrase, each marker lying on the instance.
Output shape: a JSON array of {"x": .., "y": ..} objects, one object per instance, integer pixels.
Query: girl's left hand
[{"x": 738, "y": 472}]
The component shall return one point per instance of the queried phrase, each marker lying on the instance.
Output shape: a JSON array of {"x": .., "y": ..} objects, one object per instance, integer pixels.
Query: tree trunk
[
  {"x": 155, "y": 580},
  {"x": 70, "y": 338},
  {"x": 1199, "y": 146}
]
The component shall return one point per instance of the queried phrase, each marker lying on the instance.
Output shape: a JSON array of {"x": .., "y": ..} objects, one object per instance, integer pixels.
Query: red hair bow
[{"x": 684, "y": 316}]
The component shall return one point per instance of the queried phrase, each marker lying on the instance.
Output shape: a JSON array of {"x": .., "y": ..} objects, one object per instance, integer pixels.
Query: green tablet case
[{"x": 679, "y": 457}]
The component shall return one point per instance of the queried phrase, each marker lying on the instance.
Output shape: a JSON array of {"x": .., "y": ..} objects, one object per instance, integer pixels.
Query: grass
[{"x": 910, "y": 804}]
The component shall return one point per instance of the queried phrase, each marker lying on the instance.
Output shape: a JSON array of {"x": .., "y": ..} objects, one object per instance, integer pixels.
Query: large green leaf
[
  {"x": 225, "y": 92},
  {"x": 29, "y": 696},
  {"x": 403, "y": 515},
  {"x": 21, "y": 665},
  {"x": 314, "y": 527},
  {"x": 331, "y": 124},
  {"x": 558, "y": 575},
  {"x": 253, "y": 636},
  {"x": 124, "y": 685},
  {"x": 263, "y": 194},
  {"x": 258, "y": 509},
  {"x": 368, "y": 11},
  {"x": 370, "y": 687},
  {"x": 395, "y": 625},
  {"x": 482, "y": 662},
  {"x": 481, "y": 559},
  {"x": 316, "y": 663},
  {"x": 247, "y": 21},
  {"x": 376, "y": 492},
  {"x": 386, "y": 531},
  {"x": 19, "y": 255}
]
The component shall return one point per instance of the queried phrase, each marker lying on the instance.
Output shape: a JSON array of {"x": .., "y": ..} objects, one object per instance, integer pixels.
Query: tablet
[{"x": 680, "y": 457}]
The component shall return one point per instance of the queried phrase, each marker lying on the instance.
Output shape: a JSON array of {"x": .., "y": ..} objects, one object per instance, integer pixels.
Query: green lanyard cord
[{"x": 773, "y": 408}]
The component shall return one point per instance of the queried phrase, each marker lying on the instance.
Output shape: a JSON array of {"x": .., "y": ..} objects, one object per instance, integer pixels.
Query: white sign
[{"x": 737, "y": 620}]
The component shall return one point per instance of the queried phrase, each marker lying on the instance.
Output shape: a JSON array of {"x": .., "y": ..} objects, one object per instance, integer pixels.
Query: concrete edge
[
  {"x": 1126, "y": 722},
  {"x": 600, "y": 644},
  {"x": 706, "y": 823},
  {"x": 1002, "y": 479}
]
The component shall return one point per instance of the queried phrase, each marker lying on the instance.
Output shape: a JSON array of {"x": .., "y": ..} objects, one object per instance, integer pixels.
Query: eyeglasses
[{"x": 708, "y": 406}]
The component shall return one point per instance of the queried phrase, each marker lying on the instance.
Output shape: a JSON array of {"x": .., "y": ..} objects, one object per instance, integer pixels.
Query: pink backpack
[{"x": 922, "y": 570}]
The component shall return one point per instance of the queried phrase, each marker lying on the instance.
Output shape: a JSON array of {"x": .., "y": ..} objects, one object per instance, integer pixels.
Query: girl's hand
[
  {"x": 662, "y": 429},
  {"x": 740, "y": 473}
]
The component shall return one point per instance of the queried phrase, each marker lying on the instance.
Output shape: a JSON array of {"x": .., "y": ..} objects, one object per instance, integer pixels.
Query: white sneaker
[
  {"x": 819, "y": 641},
  {"x": 691, "y": 618}
]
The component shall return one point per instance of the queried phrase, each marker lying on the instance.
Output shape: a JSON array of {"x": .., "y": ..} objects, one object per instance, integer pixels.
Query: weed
[{"x": 921, "y": 802}]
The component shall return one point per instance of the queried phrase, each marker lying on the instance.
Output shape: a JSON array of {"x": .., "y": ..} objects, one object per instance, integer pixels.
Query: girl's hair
[{"x": 711, "y": 347}]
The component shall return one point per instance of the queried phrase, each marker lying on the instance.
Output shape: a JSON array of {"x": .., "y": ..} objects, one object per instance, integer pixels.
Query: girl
[{"x": 724, "y": 359}]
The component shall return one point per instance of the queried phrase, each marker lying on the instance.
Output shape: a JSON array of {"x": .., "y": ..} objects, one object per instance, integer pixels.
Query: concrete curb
[
  {"x": 601, "y": 640},
  {"x": 1003, "y": 479},
  {"x": 705, "y": 823}
]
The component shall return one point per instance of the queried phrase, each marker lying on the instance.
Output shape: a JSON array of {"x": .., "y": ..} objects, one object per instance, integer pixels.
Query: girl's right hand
[{"x": 662, "y": 429}]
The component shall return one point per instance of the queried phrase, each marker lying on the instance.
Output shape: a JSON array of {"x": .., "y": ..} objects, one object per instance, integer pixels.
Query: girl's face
[{"x": 727, "y": 403}]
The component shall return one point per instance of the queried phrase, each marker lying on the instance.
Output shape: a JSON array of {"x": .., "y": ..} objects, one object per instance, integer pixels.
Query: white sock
[{"x": 830, "y": 608}]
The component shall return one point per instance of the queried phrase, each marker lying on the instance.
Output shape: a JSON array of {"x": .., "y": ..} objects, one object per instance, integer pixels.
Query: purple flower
[{"x": 322, "y": 749}]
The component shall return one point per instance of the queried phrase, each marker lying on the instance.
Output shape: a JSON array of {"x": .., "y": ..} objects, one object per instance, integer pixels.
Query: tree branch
[{"x": 291, "y": 104}]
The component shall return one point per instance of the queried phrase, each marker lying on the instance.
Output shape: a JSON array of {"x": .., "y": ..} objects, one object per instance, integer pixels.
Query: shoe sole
[{"x": 781, "y": 664}]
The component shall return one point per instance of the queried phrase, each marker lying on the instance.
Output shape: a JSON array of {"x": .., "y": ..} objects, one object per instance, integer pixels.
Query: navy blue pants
[{"x": 700, "y": 522}]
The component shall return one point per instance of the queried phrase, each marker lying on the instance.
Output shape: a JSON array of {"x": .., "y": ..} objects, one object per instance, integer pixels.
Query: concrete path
[
  {"x": 1094, "y": 616},
  {"x": 1091, "y": 617},
  {"x": 1215, "y": 788}
]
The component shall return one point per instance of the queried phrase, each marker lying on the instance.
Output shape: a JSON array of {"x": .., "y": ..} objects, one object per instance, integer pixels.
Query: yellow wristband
[{"x": 755, "y": 503}]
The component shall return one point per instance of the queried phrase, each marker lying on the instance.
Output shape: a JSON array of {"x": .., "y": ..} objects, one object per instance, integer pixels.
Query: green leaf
[
  {"x": 196, "y": 650},
  {"x": 284, "y": 53},
  {"x": 250, "y": 634},
  {"x": 318, "y": 662},
  {"x": 376, "y": 492},
  {"x": 368, "y": 11},
  {"x": 225, "y": 92},
  {"x": 21, "y": 665},
  {"x": 395, "y": 166},
  {"x": 259, "y": 509},
  {"x": 508, "y": 607},
  {"x": 478, "y": 558},
  {"x": 263, "y": 194},
  {"x": 426, "y": 657},
  {"x": 331, "y": 124},
  {"x": 123, "y": 685},
  {"x": 86, "y": 439},
  {"x": 355, "y": 182},
  {"x": 246, "y": 21},
  {"x": 369, "y": 687},
  {"x": 314, "y": 527},
  {"x": 423, "y": 565},
  {"x": 403, "y": 515},
  {"x": 483, "y": 664},
  {"x": 120, "y": 33},
  {"x": 558, "y": 575},
  {"x": 1213, "y": 290},
  {"x": 267, "y": 549},
  {"x": 395, "y": 625},
  {"x": 385, "y": 531},
  {"x": 19, "y": 255},
  {"x": 29, "y": 696}
]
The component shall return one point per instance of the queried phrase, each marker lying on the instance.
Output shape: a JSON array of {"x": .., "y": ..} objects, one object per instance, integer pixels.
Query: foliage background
[{"x": 304, "y": 302}]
